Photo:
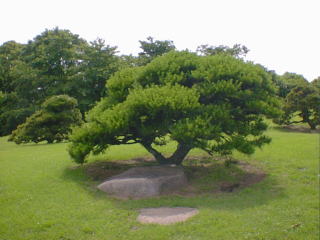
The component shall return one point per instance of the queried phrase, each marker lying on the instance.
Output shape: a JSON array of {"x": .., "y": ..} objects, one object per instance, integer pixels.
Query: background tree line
[{"x": 58, "y": 62}]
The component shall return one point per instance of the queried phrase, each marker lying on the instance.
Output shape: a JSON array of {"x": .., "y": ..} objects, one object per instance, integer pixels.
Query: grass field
[{"x": 43, "y": 196}]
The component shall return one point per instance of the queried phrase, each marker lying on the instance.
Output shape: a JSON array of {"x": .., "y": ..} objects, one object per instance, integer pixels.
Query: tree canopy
[
  {"x": 55, "y": 62},
  {"x": 153, "y": 48},
  {"x": 302, "y": 101},
  {"x": 288, "y": 81},
  {"x": 216, "y": 103},
  {"x": 237, "y": 50},
  {"x": 316, "y": 82}
]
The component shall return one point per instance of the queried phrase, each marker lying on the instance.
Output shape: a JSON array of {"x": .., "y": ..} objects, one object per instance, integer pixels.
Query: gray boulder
[{"x": 141, "y": 182}]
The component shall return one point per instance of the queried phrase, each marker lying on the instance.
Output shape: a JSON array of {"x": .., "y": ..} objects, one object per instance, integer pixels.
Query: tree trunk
[
  {"x": 176, "y": 158},
  {"x": 180, "y": 153},
  {"x": 306, "y": 118},
  {"x": 158, "y": 156},
  {"x": 312, "y": 125}
]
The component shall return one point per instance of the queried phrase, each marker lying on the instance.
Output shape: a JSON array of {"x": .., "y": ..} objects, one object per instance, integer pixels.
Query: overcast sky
[{"x": 283, "y": 35}]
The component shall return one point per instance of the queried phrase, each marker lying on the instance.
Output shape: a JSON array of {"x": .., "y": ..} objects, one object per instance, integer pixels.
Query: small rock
[{"x": 165, "y": 215}]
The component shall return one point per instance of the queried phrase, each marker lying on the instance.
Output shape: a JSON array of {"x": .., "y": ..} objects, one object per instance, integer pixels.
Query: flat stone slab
[
  {"x": 165, "y": 215},
  {"x": 141, "y": 182}
]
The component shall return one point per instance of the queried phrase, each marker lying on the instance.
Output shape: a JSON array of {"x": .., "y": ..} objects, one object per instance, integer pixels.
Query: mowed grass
[{"x": 44, "y": 196}]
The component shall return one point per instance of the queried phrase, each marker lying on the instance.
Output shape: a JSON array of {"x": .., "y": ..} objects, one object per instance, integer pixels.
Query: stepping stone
[
  {"x": 141, "y": 182},
  {"x": 165, "y": 215}
]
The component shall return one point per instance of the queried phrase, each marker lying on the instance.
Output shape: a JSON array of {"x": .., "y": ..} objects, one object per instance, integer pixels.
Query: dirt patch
[
  {"x": 206, "y": 175},
  {"x": 99, "y": 171},
  {"x": 297, "y": 128},
  {"x": 252, "y": 175},
  {"x": 216, "y": 178}
]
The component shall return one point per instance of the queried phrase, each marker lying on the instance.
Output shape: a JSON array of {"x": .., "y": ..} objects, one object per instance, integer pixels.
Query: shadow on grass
[
  {"x": 40, "y": 144},
  {"x": 296, "y": 129},
  {"x": 246, "y": 196}
]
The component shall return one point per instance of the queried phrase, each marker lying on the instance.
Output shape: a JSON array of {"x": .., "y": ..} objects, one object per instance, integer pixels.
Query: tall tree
[
  {"x": 237, "y": 50},
  {"x": 55, "y": 55},
  {"x": 10, "y": 55},
  {"x": 316, "y": 82},
  {"x": 216, "y": 103},
  {"x": 154, "y": 48},
  {"x": 99, "y": 63},
  {"x": 302, "y": 101},
  {"x": 290, "y": 81},
  {"x": 14, "y": 106},
  {"x": 54, "y": 62}
]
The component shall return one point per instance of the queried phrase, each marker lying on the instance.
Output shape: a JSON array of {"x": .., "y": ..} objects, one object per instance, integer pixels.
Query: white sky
[{"x": 283, "y": 35}]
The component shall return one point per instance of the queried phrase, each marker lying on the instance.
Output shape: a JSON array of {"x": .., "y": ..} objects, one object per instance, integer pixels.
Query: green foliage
[
  {"x": 13, "y": 111},
  {"x": 316, "y": 82},
  {"x": 98, "y": 64},
  {"x": 54, "y": 62},
  {"x": 152, "y": 49},
  {"x": 215, "y": 103},
  {"x": 302, "y": 101},
  {"x": 288, "y": 81},
  {"x": 51, "y": 123},
  {"x": 237, "y": 50},
  {"x": 10, "y": 54},
  {"x": 53, "y": 59}
]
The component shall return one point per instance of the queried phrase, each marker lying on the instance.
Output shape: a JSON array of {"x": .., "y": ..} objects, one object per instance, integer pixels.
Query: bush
[{"x": 53, "y": 122}]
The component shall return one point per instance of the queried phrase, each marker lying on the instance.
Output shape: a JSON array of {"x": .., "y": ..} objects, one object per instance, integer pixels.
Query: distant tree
[
  {"x": 55, "y": 57},
  {"x": 14, "y": 108},
  {"x": 154, "y": 48},
  {"x": 237, "y": 50},
  {"x": 130, "y": 61},
  {"x": 13, "y": 111},
  {"x": 51, "y": 123},
  {"x": 55, "y": 62},
  {"x": 99, "y": 63},
  {"x": 282, "y": 87},
  {"x": 316, "y": 82},
  {"x": 216, "y": 103},
  {"x": 288, "y": 81},
  {"x": 10, "y": 54},
  {"x": 302, "y": 101}
]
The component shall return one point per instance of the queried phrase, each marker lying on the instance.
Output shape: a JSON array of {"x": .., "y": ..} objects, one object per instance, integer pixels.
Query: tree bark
[
  {"x": 176, "y": 158},
  {"x": 158, "y": 156},
  {"x": 312, "y": 125},
  {"x": 179, "y": 155},
  {"x": 306, "y": 118}
]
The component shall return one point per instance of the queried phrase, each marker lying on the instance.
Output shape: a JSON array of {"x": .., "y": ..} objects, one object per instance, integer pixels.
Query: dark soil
[{"x": 200, "y": 171}]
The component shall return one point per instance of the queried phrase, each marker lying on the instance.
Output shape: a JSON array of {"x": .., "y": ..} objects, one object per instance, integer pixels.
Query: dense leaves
[
  {"x": 10, "y": 56},
  {"x": 316, "y": 83},
  {"x": 302, "y": 105},
  {"x": 216, "y": 103},
  {"x": 54, "y": 62},
  {"x": 288, "y": 81},
  {"x": 51, "y": 123},
  {"x": 153, "y": 48},
  {"x": 236, "y": 50}
]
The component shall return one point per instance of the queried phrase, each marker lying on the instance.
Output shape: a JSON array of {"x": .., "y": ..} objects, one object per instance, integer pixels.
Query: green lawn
[{"x": 42, "y": 196}]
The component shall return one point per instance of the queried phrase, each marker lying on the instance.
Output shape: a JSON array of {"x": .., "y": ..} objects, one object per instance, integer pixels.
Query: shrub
[{"x": 53, "y": 122}]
